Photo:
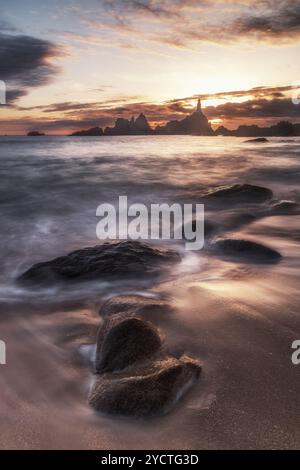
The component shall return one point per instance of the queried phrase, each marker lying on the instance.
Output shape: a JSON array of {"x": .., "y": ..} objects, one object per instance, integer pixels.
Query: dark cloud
[
  {"x": 25, "y": 62},
  {"x": 275, "y": 19},
  {"x": 12, "y": 95},
  {"x": 183, "y": 104},
  {"x": 255, "y": 109}
]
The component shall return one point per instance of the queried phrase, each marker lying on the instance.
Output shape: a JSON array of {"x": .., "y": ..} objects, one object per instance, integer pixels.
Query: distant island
[
  {"x": 195, "y": 124},
  {"x": 281, "y": 129},
  {"x": 35, "y": 134}
]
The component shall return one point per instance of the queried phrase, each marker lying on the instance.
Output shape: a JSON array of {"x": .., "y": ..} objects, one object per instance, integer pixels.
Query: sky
[{"x": 70, "y": 65}]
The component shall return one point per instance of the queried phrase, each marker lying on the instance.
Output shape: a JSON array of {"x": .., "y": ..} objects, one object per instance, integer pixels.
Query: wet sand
[{"x": 239, "y": 320}]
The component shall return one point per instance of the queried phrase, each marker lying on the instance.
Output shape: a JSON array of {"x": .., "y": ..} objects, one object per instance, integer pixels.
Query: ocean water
[{"x": 237, "y": 318}]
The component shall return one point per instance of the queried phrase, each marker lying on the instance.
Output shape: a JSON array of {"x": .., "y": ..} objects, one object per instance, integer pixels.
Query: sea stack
[{"x": 196, "y": 124}]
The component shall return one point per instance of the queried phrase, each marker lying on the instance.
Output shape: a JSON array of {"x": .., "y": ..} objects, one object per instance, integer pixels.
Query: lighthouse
[{"x": 198, "y": 105}]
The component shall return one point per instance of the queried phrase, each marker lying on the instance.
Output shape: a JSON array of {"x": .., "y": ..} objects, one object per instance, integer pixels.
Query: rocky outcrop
[
  {"x": 135, "y": 374},
  {"x": 196, "y": 124},
  {"x": 244, "y": 250},
  {"x": 93, "y": 132},
  {"x": 239, "y": 193},
  {"x": 141, "y": 125},
  {"x": 138, "y": 126},
  {"x": 107, "y": 261},
  {"x": 281, "y": 129}
]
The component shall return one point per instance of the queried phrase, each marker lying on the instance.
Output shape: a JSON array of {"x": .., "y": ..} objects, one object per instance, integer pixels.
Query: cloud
[
  {"x": 25, "y": 62},
  {"x": 277, "y": 19},
  {"x": 255, "y": 109},
  {"x": 7, "y": 27},
  {"x": 184, "y": 23}
]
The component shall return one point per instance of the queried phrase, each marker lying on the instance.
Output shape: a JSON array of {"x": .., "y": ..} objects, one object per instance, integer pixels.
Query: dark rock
[
  {"x": 147, "y": 392},
  {"x": 196, "y": 124},
  {"x": 138, "y": 126},
  {"x": 284, "y": 208},
  {"x": 281, "y": 129},
  {"x": 239, "y": 193},
  {"x": 221, "y": 130},
  {"x": 258, "y": 140},
  {"x": 35, "y": 134},
  {"x": 141, "y": 125},
  {"x": 245, "y": 250},
  {"x": 107, "y": 261},
  {"x": 125, "y": 341},
  {"x": 93, "y": 132},
  {"x": 135, "y": 304}
]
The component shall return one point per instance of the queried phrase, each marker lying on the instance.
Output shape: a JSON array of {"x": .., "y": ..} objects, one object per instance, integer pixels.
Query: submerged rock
[
  {"x": 148, "y": 391},
  {"x": 125, "y": 341},
  {"x": 284, "y": 208},
  {"x": 135, "y": 304},
  {"x": 245, "y": 250},
  {"x": 258, "y": 140},
  {"x": 107, "y": 261},
  {"x": 239, "y": 193}
]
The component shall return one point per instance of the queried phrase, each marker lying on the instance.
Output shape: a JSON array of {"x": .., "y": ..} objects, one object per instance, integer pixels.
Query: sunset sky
[{"x": 71, "y": 65}]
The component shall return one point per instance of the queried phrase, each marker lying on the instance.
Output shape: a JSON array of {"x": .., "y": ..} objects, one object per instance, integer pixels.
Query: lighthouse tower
[{"x": 198, "y": 106}]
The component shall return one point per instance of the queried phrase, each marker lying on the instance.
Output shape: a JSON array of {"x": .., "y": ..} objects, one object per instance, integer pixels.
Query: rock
[
  {"x": 258, "y": 140},
  {"x": 35, "y": 134},
  {"x": 239, "y": 193},
  {"x": 141, "y": 125},
  {"x": 107, "y": 261},
  {"x": 93, "y": 132},
  {"x": 245, "y": 250},
  {"x": 135, "y": 375},
  {"x": 138, "y": 126},
  {"x": 281, "y": 129},
  {"x": 196, "y": 124},
  {"x": 125, "y": 341},
  {"x": 284, "y": 207},
  {"x": 147, "y": 392},
  {"x": 135, "y": 304}
]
